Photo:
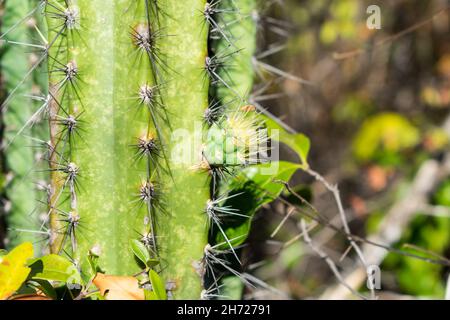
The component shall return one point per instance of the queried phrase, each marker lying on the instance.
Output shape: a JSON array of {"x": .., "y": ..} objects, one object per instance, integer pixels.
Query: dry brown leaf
[{"x": 118, "y": 287}]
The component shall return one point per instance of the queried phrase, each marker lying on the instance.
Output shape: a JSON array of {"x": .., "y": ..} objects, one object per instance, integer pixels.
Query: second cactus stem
[{"x": 129, "y": 88}]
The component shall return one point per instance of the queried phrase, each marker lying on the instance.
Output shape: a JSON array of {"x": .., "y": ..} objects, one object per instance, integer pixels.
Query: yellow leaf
[
  {"x": 118, "y": 288},
  {"x": 13, "y": 271}
]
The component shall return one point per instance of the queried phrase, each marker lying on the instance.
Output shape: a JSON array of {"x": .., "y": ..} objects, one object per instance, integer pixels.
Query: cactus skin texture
[
  {"x": 111, "y": 121},
  {"x": 104, "y": 196},
  {"x": 19, "y": 160},
  {"x": 242, "y": 25},
  {"x": 129, "y": 154},
  {"x": 184, "y": 229}
]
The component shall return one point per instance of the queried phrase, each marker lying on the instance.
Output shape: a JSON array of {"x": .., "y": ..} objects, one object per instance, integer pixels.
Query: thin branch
[
  {"x": 397, "y": 219},
  {"x": 335, "y": 191},
  {"x": 328, "y": 260}
]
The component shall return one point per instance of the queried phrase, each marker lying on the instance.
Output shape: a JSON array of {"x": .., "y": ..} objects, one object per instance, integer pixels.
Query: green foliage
[
  {"x": 418, "y": 277},
  {"x": 159, "y": 289},
  {"x": 342, "y": 22},
  {"x": 142, "y": 253},
  {"x": 383, "y": 137},
  {"x": 297, "y": 142},
  {"x": 432, "y": 234},
  {"x": 55, "y": 268},
  {"x": 442, "y": 196},
  {"x": 13, "y": 269},
  {"x": 251, "y": 189}
]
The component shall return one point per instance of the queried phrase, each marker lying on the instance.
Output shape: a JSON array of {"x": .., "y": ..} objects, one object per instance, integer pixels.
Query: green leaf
[
  {"x": 150, "y": 295},
  {"x": 383, "y": 137},
  {"x": 232, "y": 288},
  {"x": 297, "y": 142},
  {"x": 55, "y": 268},
  {"x": 266, "y": 181},
  {"x": 442, "y": 196},
  {"x": 253, "y": 188},
  {"x": 140, "y": 251},
  {"x": 159, "y": 289},
  {"x": 93, "y": 265},
  {"x": 46, "y": 288}
]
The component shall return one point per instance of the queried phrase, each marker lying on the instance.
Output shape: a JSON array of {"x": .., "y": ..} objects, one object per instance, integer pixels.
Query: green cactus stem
[
  {"x": 99, "y": 168},
  {"x": 241, "y": 25},
  {"x": 20, "y": 162},
  {"x": 130, "y": 169},
  {"x": 103, "y": 96},
  {"x": 184, "y": 229}
]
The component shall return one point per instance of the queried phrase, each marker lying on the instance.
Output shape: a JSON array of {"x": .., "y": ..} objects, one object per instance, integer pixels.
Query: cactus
[
  {"x": 242, "y": 26},
  {"x": 144, "y": 88},
  {"x": 155, "y": 153},
  {"x": 149, "y": 119},
  {"x": 21, "y": 117}
]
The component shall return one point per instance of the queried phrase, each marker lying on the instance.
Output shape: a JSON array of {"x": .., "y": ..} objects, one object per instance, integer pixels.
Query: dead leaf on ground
[{"x": 118, "y": 287}]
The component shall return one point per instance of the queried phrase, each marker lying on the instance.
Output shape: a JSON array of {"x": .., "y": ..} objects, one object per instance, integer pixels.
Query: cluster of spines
[
  {"x": 65, "y": 121},
  {"x": 150, "y": 147},
  {"x": 145, "y": 38}
]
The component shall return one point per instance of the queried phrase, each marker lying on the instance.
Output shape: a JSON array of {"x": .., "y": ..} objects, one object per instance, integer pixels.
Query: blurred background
[{"x": 377, "y": 114}]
